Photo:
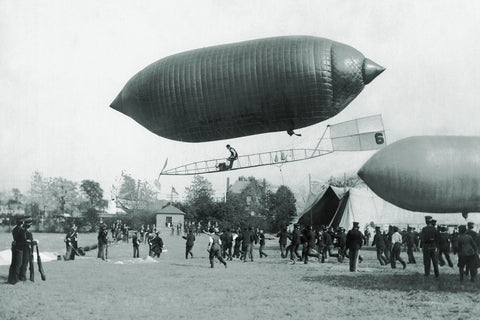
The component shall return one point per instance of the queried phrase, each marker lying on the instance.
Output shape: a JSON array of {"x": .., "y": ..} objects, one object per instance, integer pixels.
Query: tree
[
  {"x": 57, "y": 195},
  {"x": 134, "y": 195},
  {"x": 283, "y": 208},
  {"x": 234, "y": 211},
  {"x": 94, "y": 195},
  {"x": 93, "y": 192},
  {"x": 16, "y": 197},
  {"x": 38, "y": 191},
  {"x": 199, "y": 200},
  {"x": 64, "y": 194}
]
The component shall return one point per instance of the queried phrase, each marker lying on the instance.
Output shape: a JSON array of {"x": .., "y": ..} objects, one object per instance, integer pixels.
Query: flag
[
  {"x": 174, "y": 191},
  {"x": 358, "y": 134}
]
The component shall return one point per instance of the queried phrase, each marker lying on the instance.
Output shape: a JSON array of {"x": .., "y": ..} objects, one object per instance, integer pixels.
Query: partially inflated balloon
[
  {"x": 437, "y": 174},
  {"x": 246, "y": 88}
]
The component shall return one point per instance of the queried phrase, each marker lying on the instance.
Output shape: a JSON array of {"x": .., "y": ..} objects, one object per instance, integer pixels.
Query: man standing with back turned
[
  {"x": 354, "y": 243},
  {"x": 429, "y": 237}
]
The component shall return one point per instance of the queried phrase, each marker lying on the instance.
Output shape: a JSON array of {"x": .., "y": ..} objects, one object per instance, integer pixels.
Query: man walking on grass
[
  {"x": 396, "y": 248},
  {"x": 189, "y": 244},
  {"x": 214, "y": 248}
]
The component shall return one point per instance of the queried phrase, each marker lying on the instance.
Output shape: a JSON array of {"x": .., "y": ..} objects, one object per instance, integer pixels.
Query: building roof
[{"x": 170, "y": 210}]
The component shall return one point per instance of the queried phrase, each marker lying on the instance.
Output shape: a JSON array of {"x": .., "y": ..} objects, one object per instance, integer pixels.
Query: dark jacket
[
  {"x": 296, "y": 236},
  {"x": 342, "y": 240},
  {"x": 379, "y": 241},
  {"x": 249, "y": 237},
  {"x": 135, "y": 241},
  {"x": 157, "y": 244},
  {"x": 466, "y": 245},
  {"x": 429, "y": 237},
  {"x": 262, "y": 239},
  {"x": 310, "y": 238},
  {"x": 327, "y": 238},
  {"x": 409, "y": 239},
  {"x": 190, "y": 239},
  {"x": 444, "y": 241},
  {"x": 102, "y": 236},
  {"x": 354, "y": 239},
  {"x": 19, "y": 237},
  {"x": 283, "y": 236}
]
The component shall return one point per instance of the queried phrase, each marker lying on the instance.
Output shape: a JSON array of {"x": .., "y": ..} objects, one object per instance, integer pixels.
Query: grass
[{"x": 269, "y": 288}]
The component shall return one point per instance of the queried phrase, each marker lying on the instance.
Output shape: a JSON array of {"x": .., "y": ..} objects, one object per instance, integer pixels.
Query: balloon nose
[
  {"x": 370, "y": 70},
  {"x": 117, "y": 104},
  {"x": 361, "y": 173}
]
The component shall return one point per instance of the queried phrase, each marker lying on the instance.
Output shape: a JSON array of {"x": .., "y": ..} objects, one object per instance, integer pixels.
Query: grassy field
[{"x": 269, "y": 288}]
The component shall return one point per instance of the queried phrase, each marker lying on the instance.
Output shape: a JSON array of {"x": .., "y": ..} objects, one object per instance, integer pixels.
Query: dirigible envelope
[
  {"x": 438, "y": 174},
  {"x": 246, "y": 88}
]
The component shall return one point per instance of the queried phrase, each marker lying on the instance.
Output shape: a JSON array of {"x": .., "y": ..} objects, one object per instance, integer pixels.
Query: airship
[
  {"x": 246, "y": 88},
  {"x": 437, "y": 174}
]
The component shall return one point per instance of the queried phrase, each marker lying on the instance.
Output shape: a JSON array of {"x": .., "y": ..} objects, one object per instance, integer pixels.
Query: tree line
[{"x": 55, "y": 203}]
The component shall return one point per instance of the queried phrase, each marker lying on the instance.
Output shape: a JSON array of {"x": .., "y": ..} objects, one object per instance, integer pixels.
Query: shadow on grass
[
  {"x": 189, "y": 265},
  {"x": 3, "y": 279},
  {"x": 398, "y": 282}
]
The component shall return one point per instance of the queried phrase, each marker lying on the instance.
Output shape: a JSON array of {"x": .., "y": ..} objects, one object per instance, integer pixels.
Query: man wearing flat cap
[
  {"x": 354, "y": 243},
  {"x": 430, "y": 240}
]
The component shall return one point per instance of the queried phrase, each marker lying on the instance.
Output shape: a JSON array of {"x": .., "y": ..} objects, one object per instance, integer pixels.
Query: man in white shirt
[
  {"x": 214, "y": 248},
  {"x": 396, "y": 248}
]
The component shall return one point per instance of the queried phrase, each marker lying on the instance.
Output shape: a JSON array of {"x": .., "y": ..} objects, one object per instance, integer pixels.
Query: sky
[{"x": 63, "y": 62}]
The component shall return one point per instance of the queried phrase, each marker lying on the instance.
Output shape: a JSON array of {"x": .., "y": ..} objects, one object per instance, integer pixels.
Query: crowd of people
[
  {"x": 301, "y": 244},
  {"x": 436, "y": 243}
]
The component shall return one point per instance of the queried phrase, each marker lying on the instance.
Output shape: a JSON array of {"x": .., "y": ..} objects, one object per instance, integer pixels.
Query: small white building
[{"x": 168, "y": 217}]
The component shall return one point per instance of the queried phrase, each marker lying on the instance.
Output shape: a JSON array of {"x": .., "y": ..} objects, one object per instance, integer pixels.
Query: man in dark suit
[
  {"x": 354, "y": 243},
  {"x": 27, "y": 252},
  {"x": 71, "y": 243},
  {"x": 19, "y": 241},
  {"x": 429, "y": 243},
  {"x": 444, "y": 247},
  {"x": 227, "y": 243},
  {"x": 409, "y": 240},
  {"x": 102, "y": 242},
  {"x": 379, "y": 243},
  {"x": 309, "y": 250},
  {"x": 248, "y": 238},
  {"x": 467, "y": 254},
  {"x": 295, "y": 243},
  {"x": 473, "y": 234},
  {"x": 189, "y": 244},
  {"x": 282, "y": 240},
  {"x": 157, "y": 245},
  {"x": 136, "y": 245}
]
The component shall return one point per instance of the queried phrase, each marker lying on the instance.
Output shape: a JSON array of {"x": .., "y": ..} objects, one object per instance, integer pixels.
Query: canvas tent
[
  {"x": 337, "y": 207},
  {"x": 320, "y": 210},
  {"x": 364, "y": 206}
]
